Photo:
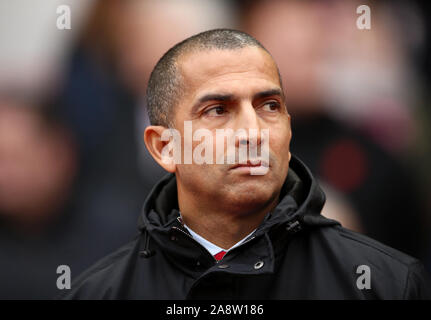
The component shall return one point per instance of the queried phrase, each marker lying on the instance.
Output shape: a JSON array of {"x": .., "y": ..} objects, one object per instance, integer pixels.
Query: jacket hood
[{"x": 301, "y": 197}]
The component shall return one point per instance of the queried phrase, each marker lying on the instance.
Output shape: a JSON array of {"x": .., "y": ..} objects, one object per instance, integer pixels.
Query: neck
[{"x": 221, "y": 225}]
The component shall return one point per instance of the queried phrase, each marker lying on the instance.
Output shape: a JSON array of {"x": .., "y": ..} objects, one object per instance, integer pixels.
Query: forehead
[{"x": 241, "y": 70}]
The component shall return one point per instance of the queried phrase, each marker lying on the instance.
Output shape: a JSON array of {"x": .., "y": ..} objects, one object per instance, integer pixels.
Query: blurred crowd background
[{"x": 74, "y": 171}]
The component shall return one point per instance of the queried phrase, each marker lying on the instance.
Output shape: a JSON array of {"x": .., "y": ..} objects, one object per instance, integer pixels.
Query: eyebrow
[
  {"x": 267, "y": 93},
  {"x": 231, "y": 97}
]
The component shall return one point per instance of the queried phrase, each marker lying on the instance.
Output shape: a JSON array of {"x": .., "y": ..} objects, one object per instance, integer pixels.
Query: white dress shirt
[{"x": 211, "y": 247}]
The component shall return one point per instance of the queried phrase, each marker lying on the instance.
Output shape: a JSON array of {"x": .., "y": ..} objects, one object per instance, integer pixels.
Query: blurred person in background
[
  {"x": 37, "y": 169},
  {"x": 311, "y": 41},
  {"x": 48, "y": 214}
]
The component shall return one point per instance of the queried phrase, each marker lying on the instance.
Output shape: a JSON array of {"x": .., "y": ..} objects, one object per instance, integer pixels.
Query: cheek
[
  {"x": 199, "y": 178},
  {"x": 279, "y": 142},
  {"x": 189, "y": 175}
]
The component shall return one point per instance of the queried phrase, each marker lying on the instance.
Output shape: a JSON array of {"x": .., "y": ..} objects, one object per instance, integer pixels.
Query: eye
[
  {"x": 215, "y": 111},
  {"x": 271, "y": 106}
]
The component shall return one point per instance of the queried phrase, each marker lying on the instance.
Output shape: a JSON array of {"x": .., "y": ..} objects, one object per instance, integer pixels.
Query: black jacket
[{"x": 295, "y": 253}]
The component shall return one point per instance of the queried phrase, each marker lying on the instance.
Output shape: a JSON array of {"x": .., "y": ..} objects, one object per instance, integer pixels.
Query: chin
[{"x": 250, "y": 197}]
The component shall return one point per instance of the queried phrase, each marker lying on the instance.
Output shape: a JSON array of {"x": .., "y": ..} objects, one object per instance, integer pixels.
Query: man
[{"x": 216, "y": 231}]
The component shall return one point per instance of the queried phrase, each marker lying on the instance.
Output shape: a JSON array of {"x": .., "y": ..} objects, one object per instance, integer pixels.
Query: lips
[{"x": 251, "y": 164}]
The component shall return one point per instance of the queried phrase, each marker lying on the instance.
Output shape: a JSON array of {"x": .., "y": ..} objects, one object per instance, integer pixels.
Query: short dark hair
[{"x": 165, "y": 83}]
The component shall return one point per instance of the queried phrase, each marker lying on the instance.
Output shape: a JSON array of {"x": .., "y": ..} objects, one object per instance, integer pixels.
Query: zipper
[
  {"x": 293, "y": 227},
  {"x": 194, "y": 240},
  {"x": 187, "y": 234},
  {"x": 247, "y": 241}
]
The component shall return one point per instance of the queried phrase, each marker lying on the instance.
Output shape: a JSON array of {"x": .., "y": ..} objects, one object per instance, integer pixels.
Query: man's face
[{"x": 233, "y": 89}]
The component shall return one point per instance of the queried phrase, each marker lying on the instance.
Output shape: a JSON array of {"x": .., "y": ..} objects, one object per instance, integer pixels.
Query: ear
[{"x": 157, "y": 147}]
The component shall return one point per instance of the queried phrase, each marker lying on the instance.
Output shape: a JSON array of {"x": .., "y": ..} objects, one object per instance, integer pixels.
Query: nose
[{"x": 248, "y": 120}]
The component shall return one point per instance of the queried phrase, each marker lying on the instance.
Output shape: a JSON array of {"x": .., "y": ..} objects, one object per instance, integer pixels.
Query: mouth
[{"x": 251, "y": 164}]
